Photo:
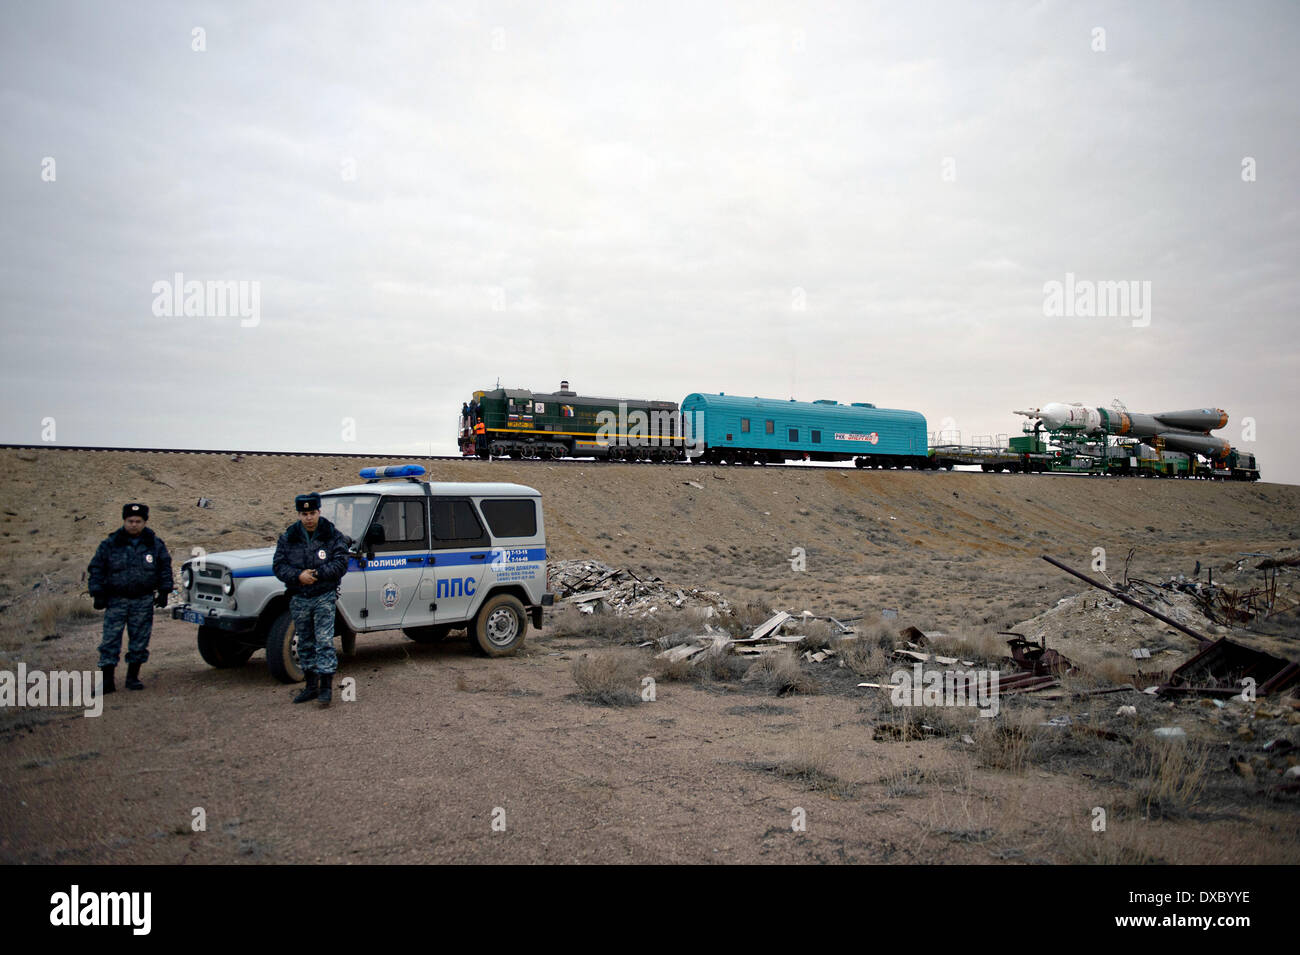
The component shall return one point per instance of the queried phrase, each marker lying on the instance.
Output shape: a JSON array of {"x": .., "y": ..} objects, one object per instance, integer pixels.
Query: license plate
[{"x": 193, "y": 616}]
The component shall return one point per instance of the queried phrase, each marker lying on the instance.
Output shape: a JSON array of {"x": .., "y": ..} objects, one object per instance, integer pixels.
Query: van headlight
[
  {"x": 227, "y": 583},
  {"x": 187, "y": 578}
]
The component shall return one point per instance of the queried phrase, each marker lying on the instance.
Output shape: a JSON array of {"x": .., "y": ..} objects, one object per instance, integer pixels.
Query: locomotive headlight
[
  {"x": 187, "y": 578},
  {"x": 227, "y": 583}
]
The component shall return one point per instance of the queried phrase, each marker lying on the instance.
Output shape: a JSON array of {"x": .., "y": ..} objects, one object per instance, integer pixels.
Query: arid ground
[{"x": 448, "y": 757}]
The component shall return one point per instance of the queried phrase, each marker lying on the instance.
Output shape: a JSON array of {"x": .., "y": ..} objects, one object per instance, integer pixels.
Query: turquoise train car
[{"x": 725, "y": 429}]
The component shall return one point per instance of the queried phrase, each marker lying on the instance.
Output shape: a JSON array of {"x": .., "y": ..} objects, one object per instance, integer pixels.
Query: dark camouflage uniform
[
  {"x": 126, "y": 572},
  {"x": 313, "y": 622},
  {"x": 136, "y": 615},
  {"x": 312, "y": 605}
]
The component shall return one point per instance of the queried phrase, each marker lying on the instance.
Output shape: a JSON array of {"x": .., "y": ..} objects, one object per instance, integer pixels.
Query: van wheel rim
[{"x": 502, "y": 627}]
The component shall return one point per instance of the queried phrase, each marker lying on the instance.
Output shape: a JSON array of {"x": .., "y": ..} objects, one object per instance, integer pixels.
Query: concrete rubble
[
  {"x": 596, "y": 587},
  {"x": 766, "y": 638}
]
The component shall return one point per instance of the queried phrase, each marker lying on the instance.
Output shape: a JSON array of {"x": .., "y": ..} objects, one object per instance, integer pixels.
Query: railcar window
[
  {"x": 511, "y": 518},
  {"x": 771, "y": 427},
  {"x": 744, "y": 426},
  {"x": 794, "y": 434},
  {"x": 816, "y": 437}
]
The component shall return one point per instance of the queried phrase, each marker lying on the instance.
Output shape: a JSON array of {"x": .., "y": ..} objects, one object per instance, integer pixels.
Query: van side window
[
  {"x": 455, "y": 524},
  {"x": 404, "y": 525},
  {"x": 510, "y": 518}
]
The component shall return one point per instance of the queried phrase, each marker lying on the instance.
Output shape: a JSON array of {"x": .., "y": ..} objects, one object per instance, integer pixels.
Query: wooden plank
[
  {"x": 593, "y": 595},
  {"x": 770, "y": 625},
  {"x": 683, "y": 651}
]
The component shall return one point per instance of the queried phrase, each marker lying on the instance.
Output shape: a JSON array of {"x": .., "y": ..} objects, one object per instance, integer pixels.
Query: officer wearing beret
[
  {"x": 129, "y": 575},
  {"x": 311, "y": 558}
]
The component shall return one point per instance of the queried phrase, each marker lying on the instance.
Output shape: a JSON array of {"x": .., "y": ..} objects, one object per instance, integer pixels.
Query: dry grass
[
  {"x": 669, "y": 627},
  {"x": 813, "y": 764},
  {"x": 862, "y": 656},
  {"x": 982, "y": 646},
  {"x": 781, "y": 673},
  {"x": 1169, "y": 775},
  {"x": 747, "y": 616},
  {"x": 609, "y": 679},
  {"x": 1008, "y": 741}
]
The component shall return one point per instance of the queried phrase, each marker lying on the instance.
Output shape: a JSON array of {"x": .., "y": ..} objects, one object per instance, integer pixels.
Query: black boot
[
  {"x": 310, "y": 691},
  {"x": 326, "y": 688},
  {"x": 110, "y": 686},
  {"x": 133, "y": 677}
]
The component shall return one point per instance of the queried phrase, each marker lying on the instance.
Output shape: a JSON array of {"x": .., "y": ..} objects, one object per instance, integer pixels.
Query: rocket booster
[{"x": 1186, "y": 431}]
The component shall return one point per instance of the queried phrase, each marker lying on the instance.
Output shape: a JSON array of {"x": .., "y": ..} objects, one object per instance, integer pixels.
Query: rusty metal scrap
[
  {"x": 1219, "y": 669},
  {"x": 1128, "y": 600}
]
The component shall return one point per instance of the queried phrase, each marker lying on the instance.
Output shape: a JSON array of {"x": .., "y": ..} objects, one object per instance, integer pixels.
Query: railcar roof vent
[
  {"x": 863, "y": 404},
  {"x": 825, "y": 401},
  {"x": 564, "y": 389}
]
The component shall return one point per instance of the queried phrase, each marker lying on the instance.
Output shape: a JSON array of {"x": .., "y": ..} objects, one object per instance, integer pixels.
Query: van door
[
  {"x": 393, "y": 574},
  {"x": 460, "y": 558}
]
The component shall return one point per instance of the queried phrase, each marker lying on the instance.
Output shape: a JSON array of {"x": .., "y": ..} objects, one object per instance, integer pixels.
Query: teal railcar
[{"x": 728, "y": 429}]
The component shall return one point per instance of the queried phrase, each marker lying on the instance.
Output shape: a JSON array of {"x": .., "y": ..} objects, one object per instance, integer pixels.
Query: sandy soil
[{"x": 438, "y": 742}]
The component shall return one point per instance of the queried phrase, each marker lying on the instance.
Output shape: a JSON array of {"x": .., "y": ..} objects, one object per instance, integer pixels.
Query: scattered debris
[
  {"x": 1171, "y": 732},
  {"x": 1223, "y": 668},
  {"x": 204, "y": 502},
  {"x": 1128, "y": 600},
  {"x": 594, "y": 586}
]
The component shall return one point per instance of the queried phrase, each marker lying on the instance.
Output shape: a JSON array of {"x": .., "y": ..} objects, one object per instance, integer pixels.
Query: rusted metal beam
[{"x": 1204, "y": 640}]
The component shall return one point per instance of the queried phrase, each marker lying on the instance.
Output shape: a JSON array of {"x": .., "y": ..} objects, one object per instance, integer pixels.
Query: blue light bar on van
[{"x": 392, "y": 471}]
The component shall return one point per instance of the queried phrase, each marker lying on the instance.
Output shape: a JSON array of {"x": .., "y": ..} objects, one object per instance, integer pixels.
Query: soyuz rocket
[{"x": 1186, "y": 431}]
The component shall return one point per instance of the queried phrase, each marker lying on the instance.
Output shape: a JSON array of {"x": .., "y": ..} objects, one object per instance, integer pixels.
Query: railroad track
[
  {"x": 449, "y": 457},
  {"x": 231, "y": 452}
]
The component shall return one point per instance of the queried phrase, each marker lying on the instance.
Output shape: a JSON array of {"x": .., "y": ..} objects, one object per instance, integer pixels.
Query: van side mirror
[{"x": 375, "y": 535}]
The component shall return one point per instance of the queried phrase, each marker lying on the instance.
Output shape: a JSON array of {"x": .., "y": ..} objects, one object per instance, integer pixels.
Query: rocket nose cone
[{"x": 1055, "y": 415}]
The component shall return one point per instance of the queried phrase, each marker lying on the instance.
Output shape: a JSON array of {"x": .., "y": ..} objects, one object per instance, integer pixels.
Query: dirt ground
[{"x": 447, "y": 757}]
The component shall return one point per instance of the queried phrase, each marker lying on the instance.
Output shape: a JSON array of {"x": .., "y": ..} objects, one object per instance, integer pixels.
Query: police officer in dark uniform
[
  {"x": 129, "y": 575},
  {"x": 311, "y": 558}
]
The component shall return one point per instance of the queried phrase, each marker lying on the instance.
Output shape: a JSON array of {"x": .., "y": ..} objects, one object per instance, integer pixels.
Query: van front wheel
[{"x": 499, "y": 629}]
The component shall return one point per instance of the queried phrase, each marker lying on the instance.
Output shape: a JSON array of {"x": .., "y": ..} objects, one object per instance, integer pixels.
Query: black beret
[
  {"x": 307, "y": 502},
  {"x": 135, "y": 510}
]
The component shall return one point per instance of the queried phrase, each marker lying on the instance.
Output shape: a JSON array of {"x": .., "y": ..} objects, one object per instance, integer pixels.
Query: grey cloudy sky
[{"x": 838, "y": 200}]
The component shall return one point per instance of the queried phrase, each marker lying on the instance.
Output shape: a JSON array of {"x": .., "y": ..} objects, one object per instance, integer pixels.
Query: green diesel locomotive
[{"x": 517, "y": 423}]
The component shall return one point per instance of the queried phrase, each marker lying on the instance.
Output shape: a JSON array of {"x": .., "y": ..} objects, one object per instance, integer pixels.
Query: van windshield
[{"x": 350, "y": 513}]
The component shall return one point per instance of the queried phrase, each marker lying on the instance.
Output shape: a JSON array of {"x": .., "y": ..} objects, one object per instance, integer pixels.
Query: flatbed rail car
[{"x": 1030, "y": 456}]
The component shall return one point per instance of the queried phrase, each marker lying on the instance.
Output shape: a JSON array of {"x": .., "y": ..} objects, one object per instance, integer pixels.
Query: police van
[{"x": 426, "y": 558}]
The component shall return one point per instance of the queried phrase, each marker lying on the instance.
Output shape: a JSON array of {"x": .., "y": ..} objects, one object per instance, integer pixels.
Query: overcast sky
[{"x": 840, "y": 200}]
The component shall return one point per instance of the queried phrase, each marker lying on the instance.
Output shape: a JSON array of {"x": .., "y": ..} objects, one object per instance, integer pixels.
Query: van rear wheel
[{"x": 499, "y": 629}]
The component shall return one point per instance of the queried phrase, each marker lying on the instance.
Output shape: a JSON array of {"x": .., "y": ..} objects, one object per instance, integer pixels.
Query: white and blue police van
[{"x": 426, "y": 558}]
